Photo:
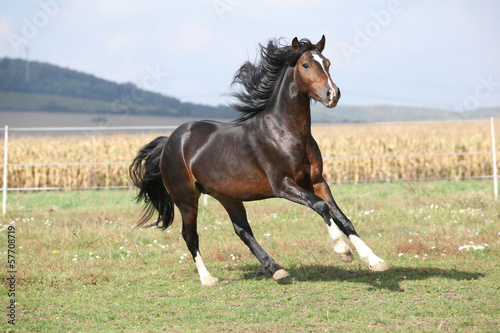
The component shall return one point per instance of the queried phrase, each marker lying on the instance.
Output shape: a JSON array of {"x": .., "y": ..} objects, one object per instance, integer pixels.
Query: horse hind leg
[
  {"x": 206, "y": 278},
  {"x": 237, "y": 213},
  {"x": 185, "y": 196},
  {"x": 190, "y": 235}
]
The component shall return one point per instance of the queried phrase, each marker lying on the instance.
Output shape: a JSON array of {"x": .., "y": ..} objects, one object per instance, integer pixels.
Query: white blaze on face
[{"x": 320, "y": 61}]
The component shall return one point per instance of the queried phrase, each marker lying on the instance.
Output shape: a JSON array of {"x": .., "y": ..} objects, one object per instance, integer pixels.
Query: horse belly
[
  {"x": 233, "y": 181},
  {"x": 229, "y": 174}
]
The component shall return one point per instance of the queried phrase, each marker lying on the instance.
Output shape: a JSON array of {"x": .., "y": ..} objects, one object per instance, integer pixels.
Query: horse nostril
[{"x": 338, "y": 93}]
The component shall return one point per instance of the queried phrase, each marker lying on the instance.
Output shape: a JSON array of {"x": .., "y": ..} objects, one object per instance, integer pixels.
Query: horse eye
[{"x": 306, "y": 65}]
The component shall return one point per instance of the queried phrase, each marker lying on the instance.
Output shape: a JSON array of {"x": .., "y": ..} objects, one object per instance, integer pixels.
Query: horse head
[{"x": 312, "y": 76}]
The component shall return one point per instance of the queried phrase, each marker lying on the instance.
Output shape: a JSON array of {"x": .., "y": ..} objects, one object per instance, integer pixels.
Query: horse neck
[{"x": 291, "y": 109}]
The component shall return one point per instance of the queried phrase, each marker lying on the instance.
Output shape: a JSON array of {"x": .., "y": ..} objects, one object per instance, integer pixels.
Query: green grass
[{"x": 142, "y": 281}]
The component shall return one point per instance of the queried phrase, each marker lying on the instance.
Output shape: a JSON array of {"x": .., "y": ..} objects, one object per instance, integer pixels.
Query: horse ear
[
  {"x": 295, "y": 44},
  {"x": 321, "y": 44}
]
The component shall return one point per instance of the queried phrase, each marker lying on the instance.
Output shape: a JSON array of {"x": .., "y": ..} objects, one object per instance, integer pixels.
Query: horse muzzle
[{"x": 332, "y": 98}]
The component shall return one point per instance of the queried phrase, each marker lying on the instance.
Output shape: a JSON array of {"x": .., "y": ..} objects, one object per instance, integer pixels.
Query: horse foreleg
[
  {"x": 340, "y": 247},
  {"x": 341, "y": 221},
  {"x": 238, "y": 216}
]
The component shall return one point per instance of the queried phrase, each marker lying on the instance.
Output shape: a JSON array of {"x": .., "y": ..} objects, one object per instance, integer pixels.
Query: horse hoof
[
  {"x": 209, "y": 282},
  {"x": 280, "y": 274},
  {"x": 380, "y": 267},
  {"x": 345, "y": 257}
]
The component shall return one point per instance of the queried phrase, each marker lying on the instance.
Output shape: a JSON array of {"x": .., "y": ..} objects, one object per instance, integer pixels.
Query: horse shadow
[{"x": 388, "y": 280}]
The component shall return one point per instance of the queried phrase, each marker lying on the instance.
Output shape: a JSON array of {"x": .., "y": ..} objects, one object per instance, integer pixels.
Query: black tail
[{"x": 146, "y": 176}]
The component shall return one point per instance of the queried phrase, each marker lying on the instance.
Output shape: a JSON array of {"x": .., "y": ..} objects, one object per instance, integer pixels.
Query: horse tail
[{"x": 145, "y": 174}]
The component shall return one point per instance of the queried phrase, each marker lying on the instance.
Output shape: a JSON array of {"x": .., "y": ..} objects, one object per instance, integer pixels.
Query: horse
[{"x": 267, "y": 152}]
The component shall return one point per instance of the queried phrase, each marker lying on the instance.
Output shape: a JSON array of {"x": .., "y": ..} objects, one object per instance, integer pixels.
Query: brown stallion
[{"x": 268, "y": 152}]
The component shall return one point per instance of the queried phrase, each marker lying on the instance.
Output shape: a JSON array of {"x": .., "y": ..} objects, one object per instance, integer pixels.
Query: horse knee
[
  {"x": 238, "y": 230},
  {"x": 242, "y": 233},
  {"x": 321, "y": 207}
]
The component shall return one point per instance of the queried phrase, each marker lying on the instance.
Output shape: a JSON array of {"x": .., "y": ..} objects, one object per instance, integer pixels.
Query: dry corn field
[{"x": 334, "y": 141}]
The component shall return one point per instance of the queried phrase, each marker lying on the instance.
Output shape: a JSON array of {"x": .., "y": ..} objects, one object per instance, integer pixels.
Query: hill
[{"x": 52, "y": 88}]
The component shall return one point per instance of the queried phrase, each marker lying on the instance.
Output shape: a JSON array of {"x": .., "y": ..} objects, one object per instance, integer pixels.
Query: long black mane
[{"x": 258, "y": 81}]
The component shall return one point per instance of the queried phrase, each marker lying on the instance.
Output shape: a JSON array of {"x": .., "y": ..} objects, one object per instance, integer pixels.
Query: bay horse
[{"x": 267, "y": 152}]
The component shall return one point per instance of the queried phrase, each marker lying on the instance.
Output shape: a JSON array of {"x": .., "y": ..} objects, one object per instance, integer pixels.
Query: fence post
[
  {"x": 494, "y": 153},
  {"x": 5, "y": 162}
]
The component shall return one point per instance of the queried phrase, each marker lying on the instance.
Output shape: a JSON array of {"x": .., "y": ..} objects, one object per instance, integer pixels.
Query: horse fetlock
[
  {"x": 380, "y": 267},
  {"x": 375, "y": 263},
  {"x": 209, "y": 281},
  {"x": 345, "y": 257},
  {"x": 367, "y": 255},
  {"x": 341, "y": 247}
]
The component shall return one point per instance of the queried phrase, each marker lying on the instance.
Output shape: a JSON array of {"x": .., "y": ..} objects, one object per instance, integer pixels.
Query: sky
[{"x": 441, "y": 54}]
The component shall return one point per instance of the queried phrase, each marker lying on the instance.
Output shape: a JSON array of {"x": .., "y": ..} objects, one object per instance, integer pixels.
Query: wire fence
[{"x": 170, "y": 128}]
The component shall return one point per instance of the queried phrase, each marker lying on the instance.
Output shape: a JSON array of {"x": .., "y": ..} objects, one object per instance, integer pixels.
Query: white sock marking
[
  {"x": 339, "y": 245},
  {"x": 205, "y": 276},
  {"x": 365, "y": 253}
]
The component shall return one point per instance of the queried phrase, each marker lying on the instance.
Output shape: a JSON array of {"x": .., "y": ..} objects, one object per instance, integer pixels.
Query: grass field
[{"x": 81, "y": 267}]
